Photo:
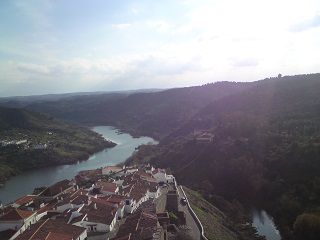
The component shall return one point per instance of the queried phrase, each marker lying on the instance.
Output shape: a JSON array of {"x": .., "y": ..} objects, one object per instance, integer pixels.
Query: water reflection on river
[
  {"x": 265, "y": 225},
  {"x": 26, "y": 182}
]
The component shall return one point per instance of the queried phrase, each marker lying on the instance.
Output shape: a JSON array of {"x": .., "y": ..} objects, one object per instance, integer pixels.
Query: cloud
[
  {"x": 307, "y": 24},
  {"x": 33, "y": 68},
  {"x": 244, "y": 62},
  {"x": 160, "y": 25},
  {"x": 36, "y": 11},
  {"x": 121, "y": 25}
]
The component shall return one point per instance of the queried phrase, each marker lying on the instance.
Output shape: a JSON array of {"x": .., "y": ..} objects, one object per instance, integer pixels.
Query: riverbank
[
  {"x": 16, "y": 159},
  {"x": 224, "y": 224},
  {"x": 25, "y": 182}
]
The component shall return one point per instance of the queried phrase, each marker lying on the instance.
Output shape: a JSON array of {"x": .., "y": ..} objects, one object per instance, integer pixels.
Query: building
[
  {"x": 106, "y": 188},
  {"x": 97, "y": 217},
  {"x": 111, "y": 170},
  {"x": 161, "y": 176},
  {"x": 56, "y": 190},
  {"x": 53, "y": 229},
  {"x": 143, "y": 224},
  {"x": 17, "y": 220},
  {"x": 25, "y": 201}
]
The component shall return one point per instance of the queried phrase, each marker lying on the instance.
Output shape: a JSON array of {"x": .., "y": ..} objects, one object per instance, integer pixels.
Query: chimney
[{"x": 95, "y": 206}]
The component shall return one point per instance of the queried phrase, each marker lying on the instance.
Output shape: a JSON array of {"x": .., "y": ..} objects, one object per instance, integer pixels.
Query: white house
[
  {"x": 25, "y": 201},
  {"x": 111, "y": 170},
  {"x": 70, "y": 203},
  {"x": 161, "y": 176},
  {"x": 54, "y": 229},
  {"x": 17, "y": 220},
  {"x": 170, "y": 179},
  {"x": 154, "y": 190},
  {"x": 106, "y": 188},
  {"x": 97, "y": 218}
]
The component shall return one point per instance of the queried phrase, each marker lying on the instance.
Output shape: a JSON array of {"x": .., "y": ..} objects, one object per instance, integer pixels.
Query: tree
[{"x": 307, "y": 227}]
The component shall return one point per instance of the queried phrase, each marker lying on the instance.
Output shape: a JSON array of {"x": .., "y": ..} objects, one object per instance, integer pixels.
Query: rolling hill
[
  {"x": 153, "y": 114},
  {"x": 45, "y": 141},
  {"x": 266, "y": 140},
  {"x": 265, "y": 151}
]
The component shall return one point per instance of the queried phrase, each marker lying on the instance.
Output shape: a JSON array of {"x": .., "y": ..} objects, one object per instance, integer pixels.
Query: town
[{"x": 116, "y": 203}]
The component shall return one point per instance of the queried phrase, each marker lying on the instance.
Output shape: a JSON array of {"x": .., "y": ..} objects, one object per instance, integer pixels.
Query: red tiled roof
[
  {"x": 56, "y": 188},
  {"x": 102, "y": 201},
  {"x": 46, "y": 208},
  {"x": 158, "y": 170},
  {"x": 138, "y": 191},
  {"x": 138, "y": 226},
  {"x": 42, "y": 229},
  {"x": 107, "y": 186},
  {"x": 58, "y": 236},
  {"x": 80, "y": 199},
  {"x": 99, "y": 213},
  {"x": 117, "y": 199},
  {"x": 25, "y": 199},
  {"x": 128, "y": 237},
  {"x": 112, "y": 168},
  {"x": 16, "y": 215}
]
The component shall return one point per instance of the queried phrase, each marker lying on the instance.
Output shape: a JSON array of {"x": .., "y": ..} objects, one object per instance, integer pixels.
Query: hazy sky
[{"x": 77, "y": 45}]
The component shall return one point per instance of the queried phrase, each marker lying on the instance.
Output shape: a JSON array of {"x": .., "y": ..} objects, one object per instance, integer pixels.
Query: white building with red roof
[
  {"x": 53, "y": 230},
  {"x": 111, "y": 170},
  {"x": 26, "y": 201},
  {"x": 161, "y": 176},
  {"x": 106, "y": 188},
  {"x": 17, "y": 220},
  {"x": 97, "y": 217}
]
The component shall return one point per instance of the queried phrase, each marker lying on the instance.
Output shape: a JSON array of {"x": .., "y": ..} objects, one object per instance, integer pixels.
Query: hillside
[
  {"x": 265, "y": 150},
  {"x": 31, "y": 140},
  {"x": 153, "y": 114}
]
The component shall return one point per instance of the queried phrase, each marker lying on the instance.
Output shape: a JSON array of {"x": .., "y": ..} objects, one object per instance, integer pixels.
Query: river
[
  {"x": 24, "y": 183},
  {"x": 265, "y": 225}
]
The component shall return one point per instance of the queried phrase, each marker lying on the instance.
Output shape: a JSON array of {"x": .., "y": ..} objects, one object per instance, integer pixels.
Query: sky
[{"x": 58, "y": 46}]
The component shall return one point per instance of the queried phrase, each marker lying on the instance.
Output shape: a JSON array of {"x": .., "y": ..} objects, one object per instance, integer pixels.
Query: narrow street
[{"x": 193, "y": 230}]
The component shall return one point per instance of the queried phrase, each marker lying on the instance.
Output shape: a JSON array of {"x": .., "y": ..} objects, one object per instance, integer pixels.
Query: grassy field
[{"x": 212, "y": 219}]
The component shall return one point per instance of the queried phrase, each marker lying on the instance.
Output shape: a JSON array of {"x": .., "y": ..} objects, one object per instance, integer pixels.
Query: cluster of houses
[
  {"x": 203, "y": 136},
  {"x": 116, "y": 202},
  {"x": 24, "y": 143},
  {"x": 13, "y": 142}
]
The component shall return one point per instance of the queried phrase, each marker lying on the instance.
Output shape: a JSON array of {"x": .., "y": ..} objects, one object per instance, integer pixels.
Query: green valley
[{"x": 32, "y": 140}]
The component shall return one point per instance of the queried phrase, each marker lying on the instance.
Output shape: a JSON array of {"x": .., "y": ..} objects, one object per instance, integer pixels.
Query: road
[{"x": 194, "y": 230}]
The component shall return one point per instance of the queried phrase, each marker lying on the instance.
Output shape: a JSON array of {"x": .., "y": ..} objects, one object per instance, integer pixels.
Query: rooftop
[
  {"x": 16, "y": 215},
  {"x": 51, "y": 230},
  {"x": 25, "y": 199},
  {"x": 107, "y": 186}
]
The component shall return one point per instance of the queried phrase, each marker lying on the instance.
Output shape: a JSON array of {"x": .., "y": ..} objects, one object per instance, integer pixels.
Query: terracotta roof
[
  {"x": 58, "y": 236},
  {"x": 25, "y": 199},
  {"x": 158, "y": 170},
  {"x": 56, "y": 188},
  {"x": 80, "y": 199},
  {"x": 99, "y": 213},
  {"x": 143, "y": 174},
  {"x": 15, "y": 215},
  {"x": 140, "y": 225},
  {"x": 42, "y": 230},
  {"x": 116, "y": 199},
  {"x": 46, "y": 208},
  {"x": 103, "y": 202},
  {"x": 128, "y": 237},
  {"x": 112, "y": 168},
  {"x": 107, "y": 186},
  {"x": 90, "y": 172},
  {"x": 138, "y": 191}
]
